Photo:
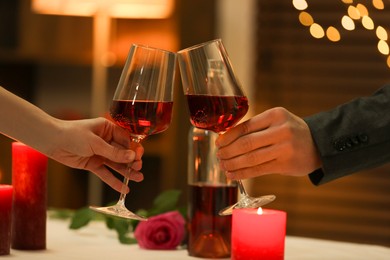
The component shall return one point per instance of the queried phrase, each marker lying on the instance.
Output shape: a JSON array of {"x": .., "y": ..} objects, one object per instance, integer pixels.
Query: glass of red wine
[
  {"x": 215, "y": 99},
  {"x": 142, "y": 104}
]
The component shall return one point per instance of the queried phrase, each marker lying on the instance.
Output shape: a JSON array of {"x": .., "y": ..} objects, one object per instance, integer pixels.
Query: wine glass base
[
  {"x": 118, "y": 211},
  {"x": 247, "y": 202}
]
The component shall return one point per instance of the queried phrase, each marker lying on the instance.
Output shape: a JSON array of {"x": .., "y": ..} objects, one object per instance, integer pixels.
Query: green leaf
[
  {"x": 123, "y": 228},
  {"x": 110, "y": 222},
  {"x": 117, "y": 223},
  {"x": 183, "y": 211},
  {"x": 61, "y": 213},
  {"x": 81, "y": 218},
  {"x": 165, "y": 202},
  {"x": 123, "y": 239},
  {"x": 142, "y": 212}
]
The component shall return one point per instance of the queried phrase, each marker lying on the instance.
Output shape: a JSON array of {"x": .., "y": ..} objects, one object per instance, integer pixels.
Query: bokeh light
[
  {"x": 381, "y": 33},
  {"x": 317, "y": 31},
  {"x": 333, "y": 34},
  {"x": 300, "y": 4},
  {"x": 306, "y": 19},
  {"x": 347, "y": 23},
  {"x": 353, "y": 12},
  {"x": 362, "y": 10},
  {"x": 378, "y": 4},
  {"x": 368, "y": 23},
  {"x": 383, "y": 47}
]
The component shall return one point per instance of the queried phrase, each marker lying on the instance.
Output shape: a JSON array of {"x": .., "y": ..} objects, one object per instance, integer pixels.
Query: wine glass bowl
[
  {"x": 142, "y": 118},
  {"x": 215, "y": 99},
  {"x": 142, "y": 104},
  {"x": 216, "y": 113},
  {"x": 214, "y": 96}
]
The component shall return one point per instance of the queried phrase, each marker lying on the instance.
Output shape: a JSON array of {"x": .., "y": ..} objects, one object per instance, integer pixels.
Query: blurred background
[{"x": 307, "y": 56}]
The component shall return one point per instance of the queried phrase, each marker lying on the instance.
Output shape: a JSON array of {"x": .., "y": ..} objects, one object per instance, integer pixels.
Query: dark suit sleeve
[{"x": 352, "y": 137}]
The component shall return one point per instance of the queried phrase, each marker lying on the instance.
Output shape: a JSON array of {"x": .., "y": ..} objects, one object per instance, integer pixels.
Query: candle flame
[{"x": 260, "y": 211}]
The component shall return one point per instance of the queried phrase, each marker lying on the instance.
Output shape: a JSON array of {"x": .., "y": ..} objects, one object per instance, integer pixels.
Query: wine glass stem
[
  {"x": 242, "y": 188},
  {"x": 239, "y": 182},
  {"x": 122, "y": 197}
]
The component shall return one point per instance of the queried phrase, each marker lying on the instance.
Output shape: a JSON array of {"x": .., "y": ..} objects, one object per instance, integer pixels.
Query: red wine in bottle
[{"x": 209, "y": 233}]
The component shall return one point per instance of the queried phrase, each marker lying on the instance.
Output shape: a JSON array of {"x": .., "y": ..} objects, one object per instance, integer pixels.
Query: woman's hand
[{"x": 94, "y": 145}]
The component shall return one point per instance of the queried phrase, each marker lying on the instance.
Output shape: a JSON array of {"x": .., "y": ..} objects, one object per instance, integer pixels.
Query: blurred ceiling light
[
  {"x": 150, "y": 9},
  {"x": 347, "y": 23},
  {"x": 388, "y": 61},
  {"x": 306, "y": 19},
  {"x": 300, "y": 4},
  {"x": 347, "y": 1}
]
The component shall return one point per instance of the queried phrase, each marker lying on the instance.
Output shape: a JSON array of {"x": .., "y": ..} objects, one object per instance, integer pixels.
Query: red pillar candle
[
  {"x": 258, "y": 236},
  {"x": 5, "y": 218},
  {"x": 29, "y": 169}
]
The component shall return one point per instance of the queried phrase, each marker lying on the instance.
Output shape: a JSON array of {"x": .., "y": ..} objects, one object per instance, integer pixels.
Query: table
[{"x": 97, "y": 242}]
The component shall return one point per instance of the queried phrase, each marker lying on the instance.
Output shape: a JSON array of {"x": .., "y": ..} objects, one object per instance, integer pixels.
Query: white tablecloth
[{"x": 97, "y": 242}]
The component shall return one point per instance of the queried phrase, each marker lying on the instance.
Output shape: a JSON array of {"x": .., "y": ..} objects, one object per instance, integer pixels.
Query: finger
[
  {"x": 134, "y": 146},
  {"x": 119, "y": 138},
  {"x": 135, "y": 176},
  {"x": 136, "y": 165},
  {"x": 113, "y": 152},
  {"x": 256, "y": 123},
  {"x": 119, "y": 135},
  {"x": 138, "y": 149},
  {"x": 123, "y": 169},
  {"x": 246, "y": 144},
  {"x": 251, "y": 172},
  {"x": 250, "y": 159},
  {"x": 106, "y": 176}
]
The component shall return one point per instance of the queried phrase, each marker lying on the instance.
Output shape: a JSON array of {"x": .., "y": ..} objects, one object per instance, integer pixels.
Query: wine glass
[
  {"x": 142, "y": 104},
  {"x": 215, "y": 99}
]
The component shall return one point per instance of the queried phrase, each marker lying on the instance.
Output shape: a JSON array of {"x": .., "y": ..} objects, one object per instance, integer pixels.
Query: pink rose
[{"x": 164, "y": 231}]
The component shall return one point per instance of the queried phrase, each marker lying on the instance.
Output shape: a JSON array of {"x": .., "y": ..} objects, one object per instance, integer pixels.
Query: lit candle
[
  {"x": 258, "y": 235},
  {"x": 5, "y": 218},
  {"x": 29, "y": 209}
]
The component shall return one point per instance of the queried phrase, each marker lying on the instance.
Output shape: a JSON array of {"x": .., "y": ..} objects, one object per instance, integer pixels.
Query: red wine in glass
[
  {"x": 216, "y": 113},
  {"x": 142, "y": 118},
  {"x": 210, "y": 233}
]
